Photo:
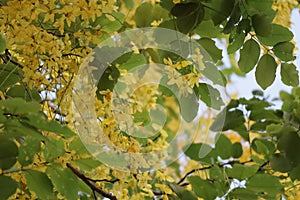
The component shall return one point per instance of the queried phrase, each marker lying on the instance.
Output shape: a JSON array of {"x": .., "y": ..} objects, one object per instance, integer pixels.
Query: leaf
[
  {"x": 86, "y": 164},
  {"x": 222, "y": 10},
  {"x": 227, "y": 120},
  {"x": 284, "y": 51},
  {"x": 202, "y": 188},
  {"x": 289, "y": 74},
  {"x": 210, "y": 96},
  {"x": 146, "y": 13},
  {"x": 265, "y": 71},
  {"x": 188, "y": 23},
  {"x": 2, "y": 44},
  {"x": 280, "y": 163},
  {"x": 182, "y": 193},
  {"x": 135, "y": 60},
  {"x": 39, "y": 121},
  {"x": 210, "y": 46},
  {"x": 65, "y": 182},
  {"x": 29, "y": 147},
  {"x": 212, "y": 73},
  {"x": 294, "y": 174},
  {"x": 24, "y": 93},
  {"x": 198, "y": 151},
  {"x": 53, "y": 149},
  {"x": 8, "y": 187},
  {"x": 264, "y": 183},
  {"x": 244, "y": 26},
  {"x": 249, "y": 55},
  {"x": 289, "y": 145},
  {"x": 9, "y": 75},
  {"x": 241, "y": 172},
  {"x": 237, "y": 43},
  {"x": 189, "y": 107},
  {"x": 40, "y": 184},
  {"x": 235, "y": 17},
  {"x": 19, "y": 106},
  {"x": 207, "y": 29},
  {"x": 278, "y": 34},
  {"x": 236, "y": 150},
  {"x": 264, "y": 147},
  {"x": 183, "y": 9},
  {"x": 8, "y": 153},
  {"x": 261, "y": 25},
  {"x": 223, "y": 147}
]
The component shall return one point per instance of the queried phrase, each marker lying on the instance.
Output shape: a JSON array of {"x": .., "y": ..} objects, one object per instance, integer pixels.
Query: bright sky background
[{"x": 244, "y": 86}]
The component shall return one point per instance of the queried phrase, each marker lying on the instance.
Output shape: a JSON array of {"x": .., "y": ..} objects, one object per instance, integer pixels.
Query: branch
[
  {"x": 90, "y": 184},
  {"x": 208, "y": 167}
]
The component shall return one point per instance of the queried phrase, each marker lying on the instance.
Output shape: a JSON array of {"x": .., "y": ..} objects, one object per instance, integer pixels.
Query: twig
[
  {"x": 208, "y": 167},
  {"x": 90, "y": 184}
]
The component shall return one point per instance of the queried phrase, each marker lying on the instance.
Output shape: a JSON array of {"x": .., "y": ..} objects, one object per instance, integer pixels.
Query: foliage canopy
[{"x": 254, "y": 153}]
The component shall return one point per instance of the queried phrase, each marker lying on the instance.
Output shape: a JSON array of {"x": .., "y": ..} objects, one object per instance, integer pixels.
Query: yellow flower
[{"x": 164, "y": 188}]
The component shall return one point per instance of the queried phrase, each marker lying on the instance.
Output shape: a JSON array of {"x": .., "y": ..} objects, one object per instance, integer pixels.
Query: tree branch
[{"x": 90, "y": 184}]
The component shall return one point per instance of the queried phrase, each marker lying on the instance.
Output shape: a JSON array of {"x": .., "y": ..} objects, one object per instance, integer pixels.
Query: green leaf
[
  {"x": 210, "y": 46},
  {"x": 280, "y": 163},
  {"x": 146, "y": 13},
  {"x": 241, "y": 193},
  {"x": 237, "y": 43},
  {"x": 266, "y": 65},
  {"x": 202, "y": 188},
  {"x": 294, "y": 174},
  {"x": 189, "y": 22},
  {"x": 19, "y": 106},
  {"x": 87, "y": 164},
  {"x": 223, "y": 147},
  {"x": 221, "y": 10},
  {"x": 189, "y": 107},
  {"x": 24, "y": 93},
  {"x": 264, "y": 183},
  {"x": 9, "y": 75},
  {"x": 8, "y": 153},
  {"x": 289, "y": 74},
  {"x": 244, "y": 26},
  {"x": 29, "y": 147},
  {"x": 258, "y": 6},
  {"x": 236, "y": 150},
  {"x": 8, "y": 187},
  {"x": 207, "y": 29},
  {"x": 184, "y": 9},
  {"x": 53, "y": 149},
  {"x": 65, "y": 182},
  {"x": 241, "y": 172},
  {"x": 235, "y": 17},
  {"x": 40, "y": 184},
  {"x": 2, "y": 44},
  {"x": 278, "y": 34},
  {"x": 135, "y": 60},
  {"x": 39, "y": 121},
  {"x": 261, "y": 25},
  {"x": 198, "y": 151},
  {"x": 249, "y": 55},
  {"x": 210, "y": 96},
  {"x": 264, "y": 147},
  {"x": 109, "y": 25},
  {"x": 227, "y": 120},
  {"x": 182, "y": 193},
  {"x": 289, "y": 145},
  {"x": 212, "y": 73},
  {"x": 284, "y": 51}
]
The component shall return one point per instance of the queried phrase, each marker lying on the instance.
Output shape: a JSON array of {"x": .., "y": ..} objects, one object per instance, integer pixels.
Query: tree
[{"x": 94, "y": 104}]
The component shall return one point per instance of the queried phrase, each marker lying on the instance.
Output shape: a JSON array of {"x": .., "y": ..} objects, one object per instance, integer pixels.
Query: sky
[{"x": 245, "y": 86}]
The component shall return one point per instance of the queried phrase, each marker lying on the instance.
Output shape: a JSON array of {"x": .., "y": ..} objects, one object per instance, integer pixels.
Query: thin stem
[{"x": 90, "y": 184}]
